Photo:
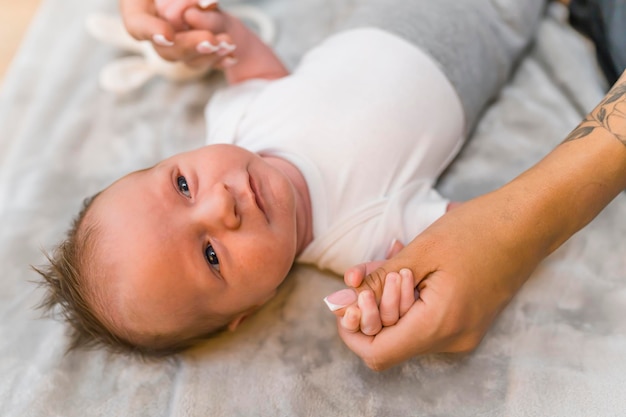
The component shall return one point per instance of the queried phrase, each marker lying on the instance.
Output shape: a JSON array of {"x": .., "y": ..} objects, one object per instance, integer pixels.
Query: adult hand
[
  {"x": 174, "y": 10},
  {"x": 467, "y": 266},
  {"x": 194, "y": 36},
  {"x": 472, "y": 261},
  {"x": 362, "y": 309},
  {"x": 368, "y": 309}
]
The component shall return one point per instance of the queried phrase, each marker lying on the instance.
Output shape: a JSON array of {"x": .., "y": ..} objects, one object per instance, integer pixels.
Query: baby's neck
[{"x": 304, "y": 218}]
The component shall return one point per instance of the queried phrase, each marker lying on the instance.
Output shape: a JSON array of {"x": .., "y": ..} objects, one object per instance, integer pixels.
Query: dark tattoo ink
[{"x": 610, "y": 115}]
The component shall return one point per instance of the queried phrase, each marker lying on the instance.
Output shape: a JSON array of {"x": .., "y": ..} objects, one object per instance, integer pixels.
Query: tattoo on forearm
[{"x": 610, "y": 114}]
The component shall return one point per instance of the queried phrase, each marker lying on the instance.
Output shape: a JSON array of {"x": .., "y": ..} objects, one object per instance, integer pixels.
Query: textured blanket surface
[{"x": 557, "y": 349}]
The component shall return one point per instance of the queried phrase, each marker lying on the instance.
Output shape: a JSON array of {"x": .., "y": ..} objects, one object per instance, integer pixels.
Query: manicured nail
[
  {"x": 204, "y": 4},
  {"x": 229, "y": 62},
  {"x": 206, "y": 47},
  {"x": 226, "y": 48},
  {"x": 340, "y": 299},
  {"x": 161, "y": 40}
]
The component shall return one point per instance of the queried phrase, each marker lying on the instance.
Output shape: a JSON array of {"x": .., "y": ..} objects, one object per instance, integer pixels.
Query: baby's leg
[{"x": 475, "y": 42}]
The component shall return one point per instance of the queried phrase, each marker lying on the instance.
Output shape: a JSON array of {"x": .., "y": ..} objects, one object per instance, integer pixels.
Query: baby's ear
[
  {"x": 232, "y": 326},
  {"x": 234, "y": 323},
  {"x": 239, "y": 318}
]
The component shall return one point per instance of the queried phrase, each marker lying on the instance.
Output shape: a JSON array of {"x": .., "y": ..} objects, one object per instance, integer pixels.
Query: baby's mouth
[{"x": 259, "y": 202}]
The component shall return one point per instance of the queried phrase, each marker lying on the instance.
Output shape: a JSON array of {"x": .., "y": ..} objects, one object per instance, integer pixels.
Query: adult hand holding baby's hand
[
  {"x": 189, "y": 31},
  {"x": 467, "y": 266},
  {"x": 375, "y": 301},
  {"x": 368, "y": 307}
]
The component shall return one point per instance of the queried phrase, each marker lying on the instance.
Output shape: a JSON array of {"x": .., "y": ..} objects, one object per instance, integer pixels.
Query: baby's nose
[{"x": 219, "y": 209}]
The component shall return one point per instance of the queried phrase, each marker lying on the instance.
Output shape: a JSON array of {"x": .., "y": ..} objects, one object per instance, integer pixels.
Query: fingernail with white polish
[
  {"x": 226, "y": 48},
  {"x": 229, "y": 62},
  {"x": 206, "y": 3},
  {"x": 206, "y": 47},
  {"x": 340, "y": 299},
  {"x": 161, "y": 40}
]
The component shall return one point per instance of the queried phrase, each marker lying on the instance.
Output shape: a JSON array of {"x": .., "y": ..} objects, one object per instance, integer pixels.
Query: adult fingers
[
  {"x": 338, "y": 301},
  {"x": 407, "y": 290},
  {"x": 351, "y": 320},
  {"x": 198, "y": 46},
  {"x": 226, "y": 62},
  {"x": 173, "y": 11},
  {"x": 141, "y": 22},
  {"x": 411, "y": 336},
  {"x": 214, "y": 21},
  {"x": 390, "y": 300},
  {"x": 370, "y": 316}
]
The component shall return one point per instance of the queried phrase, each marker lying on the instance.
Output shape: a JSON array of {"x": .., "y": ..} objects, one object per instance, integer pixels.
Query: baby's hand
[
  {"x": 174, "y": 10},
  {"x": 366, "y": 315}
]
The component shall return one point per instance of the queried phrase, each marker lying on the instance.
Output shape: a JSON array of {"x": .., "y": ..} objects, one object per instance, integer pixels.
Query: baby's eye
[
  {"x": 183, "y": 187},
  {"x": 211, "y": 257}
]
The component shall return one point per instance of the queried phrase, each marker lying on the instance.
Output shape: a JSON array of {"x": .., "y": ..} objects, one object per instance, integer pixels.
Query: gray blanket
[{"x": 557, "y": 349}]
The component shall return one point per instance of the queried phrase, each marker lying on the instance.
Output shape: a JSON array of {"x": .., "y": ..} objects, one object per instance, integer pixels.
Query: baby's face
[{"x": 204, "y": 232}]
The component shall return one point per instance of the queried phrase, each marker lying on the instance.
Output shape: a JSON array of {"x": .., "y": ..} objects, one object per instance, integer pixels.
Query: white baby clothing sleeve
[{"x": 227, "y": 108}]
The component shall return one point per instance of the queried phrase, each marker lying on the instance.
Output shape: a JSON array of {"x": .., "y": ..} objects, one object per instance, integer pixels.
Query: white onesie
[{"x": 371, "y": 122}]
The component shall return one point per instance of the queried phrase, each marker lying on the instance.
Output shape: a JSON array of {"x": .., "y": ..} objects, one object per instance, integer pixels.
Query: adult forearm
[
  {"x": 473, "y": 260},
  {"x": 571, "y": 185}
]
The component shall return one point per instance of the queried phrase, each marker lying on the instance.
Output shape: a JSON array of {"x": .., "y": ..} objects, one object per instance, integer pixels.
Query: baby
[{"x": 325, "y": 166}]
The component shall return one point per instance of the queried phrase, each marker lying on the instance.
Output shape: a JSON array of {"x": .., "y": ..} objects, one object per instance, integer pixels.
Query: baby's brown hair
[{"x": 70, "y": 298}]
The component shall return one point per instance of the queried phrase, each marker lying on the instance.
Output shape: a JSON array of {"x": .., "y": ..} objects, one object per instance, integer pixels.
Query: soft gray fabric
[
  {"x": 475, "y": 42},
  {"x": 556, "y": 350}
]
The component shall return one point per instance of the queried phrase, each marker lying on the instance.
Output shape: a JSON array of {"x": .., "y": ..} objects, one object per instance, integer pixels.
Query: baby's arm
[{"x": 255, "y": 59}]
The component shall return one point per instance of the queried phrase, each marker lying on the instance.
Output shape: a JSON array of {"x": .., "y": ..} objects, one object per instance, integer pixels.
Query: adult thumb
[{"x": 339, "y": 300}]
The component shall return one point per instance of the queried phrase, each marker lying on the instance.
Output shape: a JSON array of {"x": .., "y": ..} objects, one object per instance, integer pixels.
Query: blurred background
[{"x": 15, "y": 16}]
